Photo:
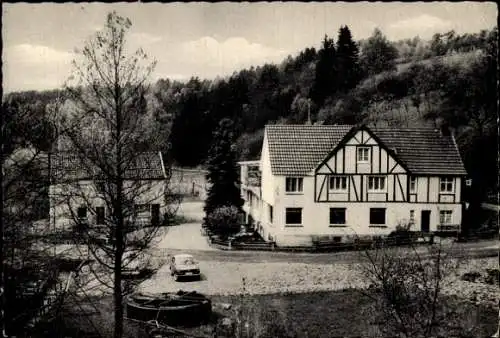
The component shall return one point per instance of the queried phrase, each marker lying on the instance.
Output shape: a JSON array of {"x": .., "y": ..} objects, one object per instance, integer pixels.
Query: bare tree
[
  {"x": 109, "y": 165},
  {"x": 27, "y": 267},
  {"x": 406, "y": 286}
]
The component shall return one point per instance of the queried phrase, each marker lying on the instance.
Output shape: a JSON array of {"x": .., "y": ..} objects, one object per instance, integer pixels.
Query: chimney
[
  {"x": 442, "y": 127},
  {"x": 309, "y": 122}
]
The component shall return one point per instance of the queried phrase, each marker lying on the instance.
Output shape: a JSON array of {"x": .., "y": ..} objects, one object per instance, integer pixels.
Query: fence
[
  {"x": 322, "y": 245},
  {"x": 189, "y": 182}
]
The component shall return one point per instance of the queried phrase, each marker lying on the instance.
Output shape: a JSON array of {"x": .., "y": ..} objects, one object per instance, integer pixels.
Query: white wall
[
  {"x": 316, "y": 218},
  {"x": 315, "y": 215},
  {"x": 67, "y": 197}
]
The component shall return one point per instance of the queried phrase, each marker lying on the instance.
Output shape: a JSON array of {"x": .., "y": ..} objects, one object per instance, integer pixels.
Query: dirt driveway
[{"x": 184, "y": 237}]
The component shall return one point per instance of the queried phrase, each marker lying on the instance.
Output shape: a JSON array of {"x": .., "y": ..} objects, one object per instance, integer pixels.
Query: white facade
[
  {"x": 66, "y": 200},
  {"x": 360, "y": 186}
]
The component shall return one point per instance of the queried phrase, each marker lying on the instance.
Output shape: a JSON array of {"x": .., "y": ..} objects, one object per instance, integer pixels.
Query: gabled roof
[
  {"x": 66, "y": 166},
  {"x": 424, "y": 150},
  {"x": 297, "y": 149}
]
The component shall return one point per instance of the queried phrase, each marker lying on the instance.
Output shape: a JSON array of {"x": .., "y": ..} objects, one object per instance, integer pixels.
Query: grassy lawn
[
  {"x": 317, "y": 314},
  {"x": 346, "y": 314}
]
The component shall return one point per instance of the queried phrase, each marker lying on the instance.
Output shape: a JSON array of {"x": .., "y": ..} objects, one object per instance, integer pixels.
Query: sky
[{"x": 211, "y": 39}]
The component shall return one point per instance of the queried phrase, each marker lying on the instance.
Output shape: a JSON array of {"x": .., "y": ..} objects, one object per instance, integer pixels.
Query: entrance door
[
  {"x": 155, "y": 214},
  {"x": 425, "y": 221}
]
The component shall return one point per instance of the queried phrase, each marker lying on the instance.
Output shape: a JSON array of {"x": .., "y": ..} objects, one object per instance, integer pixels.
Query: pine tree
[
  {"x": 349, "y": 71},
  {"x": 223, "y": 174},
  {"x": 325, "y": 83}
]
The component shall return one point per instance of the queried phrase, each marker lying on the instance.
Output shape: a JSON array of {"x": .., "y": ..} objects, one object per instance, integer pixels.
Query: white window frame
[
  {"x": 375, "y": 187},
  {"x": 447, "y": 181},
  {"x": 445, "y": 217},
  {"x": 296, "y": 185},
  {"x": 337, "y": 183},
  {"x": 294, "y": 224},
  {"x": 413, "y": 184},
  {"x": 360, "y": 151}
]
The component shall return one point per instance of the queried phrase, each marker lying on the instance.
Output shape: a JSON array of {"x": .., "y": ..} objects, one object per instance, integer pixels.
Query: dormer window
[
  {"x": 363, "y": 154},
  {"x": 294, "y": 184}
]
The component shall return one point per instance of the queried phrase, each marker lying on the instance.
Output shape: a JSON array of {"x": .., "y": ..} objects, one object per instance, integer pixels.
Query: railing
[{"x": 448, "y": 227}]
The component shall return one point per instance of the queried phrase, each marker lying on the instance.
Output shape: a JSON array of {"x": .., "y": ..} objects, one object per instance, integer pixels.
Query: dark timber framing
[
  {"x": 362, "y": 195},
  {"x": 428, "y": 187},
  {"x": 356, "y": 186},
  {"x": 351, "y": 134}
]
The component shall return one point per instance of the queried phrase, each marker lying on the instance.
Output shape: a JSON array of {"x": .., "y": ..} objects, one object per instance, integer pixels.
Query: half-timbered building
[{"x": 340, "y": 182}]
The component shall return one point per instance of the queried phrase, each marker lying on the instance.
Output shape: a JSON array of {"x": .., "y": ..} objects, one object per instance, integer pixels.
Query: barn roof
[
  {"x": 298, "y": 149},
  {"x": 423, "y": 150},
  {"x": 68, "y": 166}
]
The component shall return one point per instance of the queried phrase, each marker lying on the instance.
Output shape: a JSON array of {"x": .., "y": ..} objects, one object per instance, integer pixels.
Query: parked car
[{"x": 184, "y": 265}]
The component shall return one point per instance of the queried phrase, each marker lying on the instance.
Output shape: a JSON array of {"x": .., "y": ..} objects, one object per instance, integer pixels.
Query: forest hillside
[{"x": 449, "y": 81}]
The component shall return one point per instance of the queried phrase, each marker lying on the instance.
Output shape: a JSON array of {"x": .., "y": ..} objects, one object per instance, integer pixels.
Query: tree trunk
[
  {"x": 118, "y": 300},
  {"x": 117, "y": 287}
]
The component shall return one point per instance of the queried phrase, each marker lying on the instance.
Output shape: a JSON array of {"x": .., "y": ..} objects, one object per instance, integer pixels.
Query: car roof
[{"x": 183, "y": 256}]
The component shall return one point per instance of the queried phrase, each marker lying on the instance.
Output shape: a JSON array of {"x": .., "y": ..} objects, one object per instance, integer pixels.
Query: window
[
  {"x": 412, "y": 216},
  {"x": 338, "y": 183},
  {"x": 293, "y": 216},
  {"x": 337, "y": 216},
  {"x": 82, "y": 212},
  {"x": 363, "y": 154},
  {"x": 377, "y": 216},
  {"x": 270, "y": 214},
  {"x": 142, "y": 208},
  {"x": 294, "y": 184},
  {"x": 446, "y": 184},
  {"x": 445, "y": 217},
  {"x": 99, "y": 213},
  {"x": 376, "y": 183},
  {"x": 413, "y": 184},
  {"x": 100, "y": 186}
]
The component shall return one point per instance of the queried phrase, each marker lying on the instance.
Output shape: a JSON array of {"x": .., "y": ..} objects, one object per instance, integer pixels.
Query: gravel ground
[{"x": 230, "y": 278}]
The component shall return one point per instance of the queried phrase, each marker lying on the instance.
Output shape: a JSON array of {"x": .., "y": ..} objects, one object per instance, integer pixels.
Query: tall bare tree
[
  {"x": 24, "y": 201},
  {"x": 109, "y": 160}
]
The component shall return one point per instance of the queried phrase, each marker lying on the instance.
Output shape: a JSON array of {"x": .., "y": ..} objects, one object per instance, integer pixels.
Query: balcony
[{"x": 251, "y": 176}]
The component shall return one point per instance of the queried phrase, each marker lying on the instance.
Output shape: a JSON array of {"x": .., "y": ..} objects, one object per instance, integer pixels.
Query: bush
[
  {"x": 402, "y": 234},
  {"x": 223, "y": 221},
  {"x": 406, "y": 289}
]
